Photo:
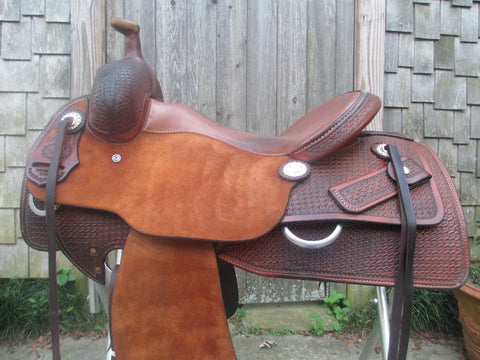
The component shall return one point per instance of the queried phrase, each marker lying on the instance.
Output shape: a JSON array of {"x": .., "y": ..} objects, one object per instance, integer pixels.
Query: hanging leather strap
[
  {"x": 51, "y": 235},
  {"x": 403, "y": 299}
]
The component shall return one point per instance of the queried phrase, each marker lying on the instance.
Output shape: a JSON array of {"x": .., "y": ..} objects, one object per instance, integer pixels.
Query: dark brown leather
[
  {"x": 40, "y": 156},
  {"x": 121, "y": 91},
  {"x": 354, "y": 184},
  {"x": 51, "y": 228},
  {"x": 365, "y": 253},
  {"x": 403, "y": 298},
  {"x": 313, "y": 136}
]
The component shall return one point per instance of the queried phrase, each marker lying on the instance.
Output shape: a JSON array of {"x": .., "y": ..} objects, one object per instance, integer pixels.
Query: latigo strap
[
  {"x": 51, "y": 233},
  {"x": 403, "y": 298}
]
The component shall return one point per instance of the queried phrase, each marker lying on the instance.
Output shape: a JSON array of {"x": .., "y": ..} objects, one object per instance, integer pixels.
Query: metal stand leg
[{"x": 381, "y": 328}]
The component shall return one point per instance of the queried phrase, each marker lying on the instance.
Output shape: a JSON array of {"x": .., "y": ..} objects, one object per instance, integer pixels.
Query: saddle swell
[
  {"x": 121, "y": 91},
  {"x": 315, "y": 135}
]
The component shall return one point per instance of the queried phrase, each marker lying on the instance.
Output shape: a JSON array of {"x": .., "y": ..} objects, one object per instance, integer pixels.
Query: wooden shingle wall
[
  {"x": 432, "y": 86},
  {"x": 34, "y": 82},
  {"x": 254, "y": 65}
]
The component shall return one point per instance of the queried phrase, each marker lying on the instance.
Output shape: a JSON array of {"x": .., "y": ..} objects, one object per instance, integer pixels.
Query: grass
[
  {"x": 24, "y": 308},
  {"x": 435, "y": 310}
]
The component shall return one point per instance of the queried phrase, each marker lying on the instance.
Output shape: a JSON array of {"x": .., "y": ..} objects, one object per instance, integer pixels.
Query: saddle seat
[
  {"x": 200, "y": 179},
  {"x": 313, "y": 136}
]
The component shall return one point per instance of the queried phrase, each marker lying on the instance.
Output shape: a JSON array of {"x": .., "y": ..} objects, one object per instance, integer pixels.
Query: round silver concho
[
  {"x": 76, "y": 121},
  {"x": 381, "y": 150},
  {"x": 294, "y": 170}
]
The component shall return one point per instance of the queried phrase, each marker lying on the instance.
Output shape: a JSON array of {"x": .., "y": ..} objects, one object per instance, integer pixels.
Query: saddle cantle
[{"x": 174, "y": 182}]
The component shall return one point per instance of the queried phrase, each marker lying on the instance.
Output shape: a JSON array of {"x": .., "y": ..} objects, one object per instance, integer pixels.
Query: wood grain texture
[
  {"x": 262, "y": 55},
  {"x": 201, "y": 55},
  {"x": 231, "y": 70},
  {"x": 370, "y": 51},
  {"x": 321, "y": 45},
  {"x": 171, "y": 49},
  {"x": 88, "y": 44},
  {"x": 291, "y": 67}
]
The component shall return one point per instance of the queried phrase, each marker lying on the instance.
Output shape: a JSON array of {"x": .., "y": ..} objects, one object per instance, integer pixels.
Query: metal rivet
[
  {"x": 97, "y": 269},
  {"x": 116, "y": 158},
  {"x": 93, "y": 251}
]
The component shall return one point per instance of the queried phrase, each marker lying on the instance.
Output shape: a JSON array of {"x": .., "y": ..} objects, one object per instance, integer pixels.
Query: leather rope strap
[
  {"x": 51, "y": 235},
  {"x": 403, "y": 299}
]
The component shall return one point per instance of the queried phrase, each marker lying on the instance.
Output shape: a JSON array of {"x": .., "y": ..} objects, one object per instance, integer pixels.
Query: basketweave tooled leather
[
  {"x": 119, "y": 99},
  {"x": 365, "y": 253},
  {"x": 85, "y": 236},
  {"x": 312, "y": 199}
]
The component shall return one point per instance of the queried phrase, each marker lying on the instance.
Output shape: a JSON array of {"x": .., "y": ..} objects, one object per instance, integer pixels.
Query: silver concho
[
  {"x": 381, "y": 151},
  {"x": 76, "y": 121},
  {"x": 294, "y": 170}
]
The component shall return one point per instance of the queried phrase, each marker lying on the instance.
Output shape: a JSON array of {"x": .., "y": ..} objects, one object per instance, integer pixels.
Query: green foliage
[
  {"x": 236, "y": 321},
  {"x": 475, "y": 275},
  {"x": 435, "y": 310},
  {"x": 317, "y": 329},
  {"x": 24, "y": 308},
  {"x": 338, "y": 305},
  {"x": 360, "y": 321},
  {"x": 64, "y": 276}
]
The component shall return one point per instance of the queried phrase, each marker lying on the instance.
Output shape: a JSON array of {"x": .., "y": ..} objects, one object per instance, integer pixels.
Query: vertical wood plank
[
  {"x": 321, "y": 64},
  {"x": 115, "y": 40},
  {"x": 291, "y": 72},
  {"x": 143, "y": 13},
  {"x": 262, "y": 66},
  {"x": 87, "y": 43},
  {"x": 345, "y": 38},
  {"x": 370, "y": 51},
  {"x": 171, "y": 48},
  {"x": 201, "y": 56},
  {"x": 231, "y": 63}
]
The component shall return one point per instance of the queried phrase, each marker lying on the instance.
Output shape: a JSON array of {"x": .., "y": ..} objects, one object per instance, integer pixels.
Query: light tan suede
[
  {"x": 167, "y": 302},
  {"x": 178, "y": 185}
]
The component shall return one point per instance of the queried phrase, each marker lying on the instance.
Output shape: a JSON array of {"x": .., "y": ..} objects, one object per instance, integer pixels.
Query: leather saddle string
[
  {"x": 51, "y": 236},
  {"x": 403, "y": 299}
]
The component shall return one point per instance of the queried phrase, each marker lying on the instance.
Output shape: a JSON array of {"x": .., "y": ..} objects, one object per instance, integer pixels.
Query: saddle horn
[{"x": 121, "y": 91}]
